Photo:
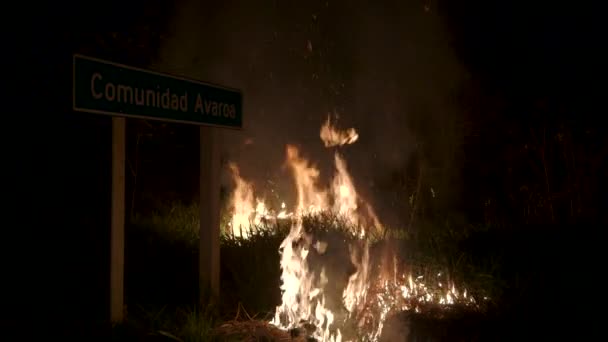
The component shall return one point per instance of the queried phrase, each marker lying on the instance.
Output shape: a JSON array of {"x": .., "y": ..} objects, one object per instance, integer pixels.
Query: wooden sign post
[
  {"x": 117, "y": 236},
  {"x": 104, "y": 87},
  {"x": 209, "y": 247}
]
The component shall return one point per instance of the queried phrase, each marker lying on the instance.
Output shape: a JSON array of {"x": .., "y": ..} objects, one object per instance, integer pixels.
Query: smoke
[{"x": 385, "y": 69}]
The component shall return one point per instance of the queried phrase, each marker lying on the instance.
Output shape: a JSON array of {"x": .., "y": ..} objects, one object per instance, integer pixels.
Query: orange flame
[
  {"x": 302, "y": 292},
  {"x": 242, "y": 203},
  {"x": 331, "y": 136},
  {"x": 310, "y": 198}
]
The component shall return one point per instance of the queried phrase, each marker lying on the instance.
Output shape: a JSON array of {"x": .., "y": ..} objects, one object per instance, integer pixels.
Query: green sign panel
[{"x": 108, "y": 88}]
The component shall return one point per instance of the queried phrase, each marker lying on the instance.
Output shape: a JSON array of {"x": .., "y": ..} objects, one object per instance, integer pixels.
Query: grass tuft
[{"x": 483, "y": 260}]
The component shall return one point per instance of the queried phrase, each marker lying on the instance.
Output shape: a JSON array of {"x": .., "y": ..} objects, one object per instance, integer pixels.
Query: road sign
[{"x": 104, "y": 87}]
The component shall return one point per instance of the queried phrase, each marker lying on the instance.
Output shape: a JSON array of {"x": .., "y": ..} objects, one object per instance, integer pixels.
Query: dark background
[{"x": 483, "y": 96}]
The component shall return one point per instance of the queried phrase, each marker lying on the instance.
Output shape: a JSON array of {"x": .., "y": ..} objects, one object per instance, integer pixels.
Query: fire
[
  {"x": 356, "y": 290},
  {"x": 341, "y": 198},
  {"x": 303, "y": 293},
  {"x": 348, "y": 204},
  {"x": 311, "y": 199},
  {"x": 331, "y": 136},
  {"x": 242, "y": 200},
  {"x": 283, "y": 214},
  {"x": 344, "y": 191},
  {"x": 367, "y": 299},
  {"x": 303, "y": 299},
  {"x": 245, "y": 214}
]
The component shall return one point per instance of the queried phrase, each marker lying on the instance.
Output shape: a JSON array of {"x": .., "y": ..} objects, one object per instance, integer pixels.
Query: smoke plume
[{"x": 385, "y": 69}]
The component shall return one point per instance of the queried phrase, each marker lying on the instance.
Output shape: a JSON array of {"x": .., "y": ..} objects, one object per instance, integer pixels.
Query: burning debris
[
  {"x": 331, "y": 136},
  {"x": 253, "y": 331},
  {"x": 320, "y": 297}
]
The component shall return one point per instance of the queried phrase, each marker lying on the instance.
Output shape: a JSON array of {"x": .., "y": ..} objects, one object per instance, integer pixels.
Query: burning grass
[
  {"x": 251, "y": 276},
  {"x": 252, "y": 331},
  {"x": 346, "y": 286},
  {"x": 326, "y": 269},
  {"x": 330, "y": 282}
]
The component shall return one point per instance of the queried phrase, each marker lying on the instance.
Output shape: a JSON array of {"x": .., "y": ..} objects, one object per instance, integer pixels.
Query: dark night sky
[{"x": 392, "y": 69}]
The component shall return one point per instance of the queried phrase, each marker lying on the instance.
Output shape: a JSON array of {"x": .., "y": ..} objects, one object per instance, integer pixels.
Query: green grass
[
  {"x": 250, "y": 274},
  {"x": 173, "y": 222},
  {"x": 188, "y": 324}
]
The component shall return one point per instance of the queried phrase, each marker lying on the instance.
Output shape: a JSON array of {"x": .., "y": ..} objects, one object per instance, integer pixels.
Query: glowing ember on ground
[
  {"x": 407, "y": 293},
  {"x": 366, "y": 300}
]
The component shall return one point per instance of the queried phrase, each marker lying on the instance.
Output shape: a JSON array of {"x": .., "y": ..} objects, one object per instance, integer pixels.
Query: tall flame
[
  {"x": 348, "y": 204},
  {"x": 303, "y": 294},
  {"x": 356, "y": 290},
  {"x": 242, "y": 203},
  {"x": 366, "y": 299},
  {"x": 303, "y": 298},
  {"x": 345, "y": 195},
  {"x": 310, "y": 198}
]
